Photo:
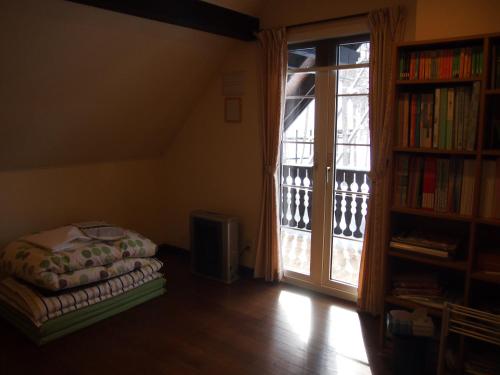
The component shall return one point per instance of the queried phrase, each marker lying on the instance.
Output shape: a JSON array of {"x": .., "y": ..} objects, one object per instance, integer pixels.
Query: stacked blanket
[{"x": 72, "y": 268}]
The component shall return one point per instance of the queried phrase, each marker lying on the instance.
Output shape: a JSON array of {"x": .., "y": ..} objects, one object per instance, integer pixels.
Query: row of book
[
  {"x": 439, "y": 245},
  {"x": 465, "y": 62},
  {"x": 439, "y": 184},
  {"x": 423, "y": 288},
  {"x": 444, "y": 119},
  {"x": 490, "y": 189}
]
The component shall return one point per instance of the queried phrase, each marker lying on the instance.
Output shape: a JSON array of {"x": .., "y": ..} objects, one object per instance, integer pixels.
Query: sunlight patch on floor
[
  {"x": 297, "y": 310},
  {"x": 346, "y": 337}
]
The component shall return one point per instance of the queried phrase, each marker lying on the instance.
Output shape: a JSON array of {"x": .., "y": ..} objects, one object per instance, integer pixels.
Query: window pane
[
  {"x": 353, "y": 81},
  {"x": 352, "y": 157},
  {"x": 301, "y": 57},
  {"x": 300, "y": 84},
  {"x": 352, "y": 120},
  {"x": 298, "y": 153},
  {"x": 299, "y": 120},
  {"x": 354, "y": 53}
]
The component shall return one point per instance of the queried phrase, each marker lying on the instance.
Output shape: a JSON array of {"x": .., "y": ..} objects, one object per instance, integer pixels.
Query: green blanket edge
[{"x": 76, "y": 320}]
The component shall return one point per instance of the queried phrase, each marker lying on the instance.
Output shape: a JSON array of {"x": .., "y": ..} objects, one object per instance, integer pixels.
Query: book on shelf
[
  {"x": 444, "y": 119},
  {"x": 437, "y": 184},
  {"x": 418, "y": 249},
  {"x": 423, "y": 288},
  {"x": 431, "y": 240},
  {"x": 490, "y": 189},
  {"x": 451, "y": 63},
  {"x": 438, "y": 245}
]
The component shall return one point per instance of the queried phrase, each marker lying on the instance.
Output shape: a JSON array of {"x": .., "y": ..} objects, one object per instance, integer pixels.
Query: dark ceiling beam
[{"x": 194, "y": 14}]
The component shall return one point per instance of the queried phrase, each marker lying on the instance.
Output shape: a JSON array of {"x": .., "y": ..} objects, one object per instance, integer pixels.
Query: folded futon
[{"x": 68, "y": 278}]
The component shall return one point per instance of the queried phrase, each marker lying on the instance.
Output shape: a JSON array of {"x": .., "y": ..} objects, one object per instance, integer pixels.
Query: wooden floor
[{"x": 205, "y": 327}]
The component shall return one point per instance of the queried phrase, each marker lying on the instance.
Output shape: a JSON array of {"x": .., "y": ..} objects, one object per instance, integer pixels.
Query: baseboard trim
[{"x": 244, "y": 271}]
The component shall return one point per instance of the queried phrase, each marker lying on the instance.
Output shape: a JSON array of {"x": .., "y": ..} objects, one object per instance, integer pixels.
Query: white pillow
[{"x": 59, "y": 239}]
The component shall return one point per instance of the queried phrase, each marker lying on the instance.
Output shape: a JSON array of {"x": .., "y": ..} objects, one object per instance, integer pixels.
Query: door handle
[{"x": 328, "y": 169}]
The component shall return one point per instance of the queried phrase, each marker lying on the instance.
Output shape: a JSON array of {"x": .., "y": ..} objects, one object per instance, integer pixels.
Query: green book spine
[
  {"x": 449, "y": 119},
  {"x": 401, "y": 66},
  {"x": 418, "y": 121},
  {"x": 417, "y": 63},
  {"x": 480, "y": 62},
  {"x": 456, "y": 63},
  {"x": 435, "y": 130},
  {"x": 443, "y": 115}
]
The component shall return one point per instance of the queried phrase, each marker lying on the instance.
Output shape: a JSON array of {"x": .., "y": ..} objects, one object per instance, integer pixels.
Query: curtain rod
[{"x": 328, "y": 20}]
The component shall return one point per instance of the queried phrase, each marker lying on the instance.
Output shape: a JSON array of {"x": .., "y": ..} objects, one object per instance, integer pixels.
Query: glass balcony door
[{"x": 324, "y": 168}]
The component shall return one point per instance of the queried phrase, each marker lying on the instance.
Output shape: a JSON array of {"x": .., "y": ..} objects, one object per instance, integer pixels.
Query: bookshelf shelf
[
  {"x": 405, "y": 82},
  {"x": 492, "y": 92},
  {"x": 491, "y": 152},
  {"x": 401, "y": 302},
  {"x": 434, "y": 151},
  {"x": 459, "y": 265},
  {"x": 491, "y": 277},
  {"x": 434, "y": 214},
  {"x": 488, "y": 221}
]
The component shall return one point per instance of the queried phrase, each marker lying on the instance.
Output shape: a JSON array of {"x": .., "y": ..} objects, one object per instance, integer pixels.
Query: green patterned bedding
[
  {"x": 73, "y": 321},
  {"x": 65, "y": 269},
  {"x": 40, "y": 306}
]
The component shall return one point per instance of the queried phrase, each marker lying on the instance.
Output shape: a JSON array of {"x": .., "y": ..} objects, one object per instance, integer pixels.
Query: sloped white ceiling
[{"x": 80, "y": 84}]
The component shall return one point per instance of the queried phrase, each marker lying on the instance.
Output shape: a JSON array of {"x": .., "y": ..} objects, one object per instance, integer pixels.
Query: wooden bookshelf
[{"x": 461, "y": 272}]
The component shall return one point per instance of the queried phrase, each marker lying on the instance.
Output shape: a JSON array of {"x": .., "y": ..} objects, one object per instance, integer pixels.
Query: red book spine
[
  {"x": 462, "y": 63},
  {"x": 412, "y": 65},
  {"x": 468, "y": 67},
  {"x": 450, "y": 64},
  {"x": 429, "y": 183},
  {"x": 413, "y": 119},
  {"x": 421, "y": 67}
]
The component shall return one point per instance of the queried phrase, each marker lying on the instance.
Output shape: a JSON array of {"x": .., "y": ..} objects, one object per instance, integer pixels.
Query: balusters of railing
[
  {"x": 350, "y": 200},
  {"x": 364, "y": 211},
  {"x": 298, "y": 180},
  {"x": 289, "y": 179},
  {"x": 289, "y": 203},
  {"x": 307, "y": 181},
  {"x": 297, "y": 206},
  {"x": 305, "y": 218},
  {"x": 353, "y": 227},
  {"x": 365, "y": 188}
]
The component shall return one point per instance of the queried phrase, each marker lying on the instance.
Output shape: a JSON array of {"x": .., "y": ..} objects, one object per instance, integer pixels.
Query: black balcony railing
[{"x": 351, "y": 194}]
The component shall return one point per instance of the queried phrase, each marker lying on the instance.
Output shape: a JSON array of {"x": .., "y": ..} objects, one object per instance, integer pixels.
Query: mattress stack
[{"x": 68, "y": 278}]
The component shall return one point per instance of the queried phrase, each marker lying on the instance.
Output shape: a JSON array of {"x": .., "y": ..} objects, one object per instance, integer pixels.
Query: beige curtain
[
  {"x": 386, "y": 28},
  {"x": 273, "y": 49}
]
